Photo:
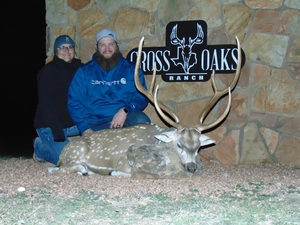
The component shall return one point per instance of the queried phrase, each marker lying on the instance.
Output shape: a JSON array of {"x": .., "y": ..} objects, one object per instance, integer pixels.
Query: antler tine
[
  {"x": 206, "y": 127},
  {"x": 161, "y": 113},
  {"x": 153, "y": 79},
  {"x": 219, "y": 93},
  {"x": 149, "y": 93}
]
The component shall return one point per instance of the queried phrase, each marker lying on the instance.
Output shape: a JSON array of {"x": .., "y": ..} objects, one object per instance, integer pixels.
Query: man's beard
[{"x": 108, "y": 64}]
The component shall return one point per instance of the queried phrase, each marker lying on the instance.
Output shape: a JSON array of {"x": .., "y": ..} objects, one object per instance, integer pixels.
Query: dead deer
[{"x": 105, "y": 151}]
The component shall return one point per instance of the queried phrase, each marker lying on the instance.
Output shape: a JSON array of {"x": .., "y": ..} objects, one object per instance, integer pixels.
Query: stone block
[{"x": 288, "y": 150}]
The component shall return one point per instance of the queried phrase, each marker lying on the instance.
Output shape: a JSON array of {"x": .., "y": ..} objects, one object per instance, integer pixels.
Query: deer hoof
[
  {"x": 52, "y": 169},
  {"x": 83, "y": 174},
  {"x": 119, "y": 173}
]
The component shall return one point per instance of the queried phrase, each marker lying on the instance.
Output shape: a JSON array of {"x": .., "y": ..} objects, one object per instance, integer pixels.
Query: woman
[{"x": 52, "y": 121}]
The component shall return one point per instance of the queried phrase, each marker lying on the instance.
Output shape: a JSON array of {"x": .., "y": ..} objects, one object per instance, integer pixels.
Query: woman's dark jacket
[{"x": 53, "y": 84}]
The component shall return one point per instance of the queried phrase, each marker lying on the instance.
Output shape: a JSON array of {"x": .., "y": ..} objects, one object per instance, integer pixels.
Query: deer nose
[{"x": 191, "y": 167}]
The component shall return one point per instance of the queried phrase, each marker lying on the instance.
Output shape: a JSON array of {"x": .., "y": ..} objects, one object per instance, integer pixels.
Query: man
[{"x": 102, "y": 94}]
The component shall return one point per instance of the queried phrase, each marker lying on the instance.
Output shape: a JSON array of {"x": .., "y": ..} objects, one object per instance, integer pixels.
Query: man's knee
[
  {"x": 142, "y": 118},
  {"x": 137, "y": 117}
]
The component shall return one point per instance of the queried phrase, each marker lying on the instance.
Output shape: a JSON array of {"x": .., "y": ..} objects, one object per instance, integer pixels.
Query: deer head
[{"x": 187, "y": 140}]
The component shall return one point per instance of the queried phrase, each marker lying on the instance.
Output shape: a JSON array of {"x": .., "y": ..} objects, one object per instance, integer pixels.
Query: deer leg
[
  {"x": 119, "y": 173},
  {"x": 80, "y": 169},
  {"x": 53, "y": 169}
]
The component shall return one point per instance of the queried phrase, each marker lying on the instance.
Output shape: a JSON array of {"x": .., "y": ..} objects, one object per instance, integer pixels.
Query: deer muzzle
[{"x": 191, "y": 167}]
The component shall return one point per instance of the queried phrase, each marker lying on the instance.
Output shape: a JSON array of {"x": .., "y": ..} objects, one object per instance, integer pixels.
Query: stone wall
[{"x": 264, "y": 122}]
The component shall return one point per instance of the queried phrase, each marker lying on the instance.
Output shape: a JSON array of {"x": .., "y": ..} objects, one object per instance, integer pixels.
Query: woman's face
[{"x": 65, "y": 52}]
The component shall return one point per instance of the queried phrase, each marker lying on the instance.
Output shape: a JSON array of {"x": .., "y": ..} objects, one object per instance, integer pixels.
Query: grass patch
[{"x": 90, "y": 208}]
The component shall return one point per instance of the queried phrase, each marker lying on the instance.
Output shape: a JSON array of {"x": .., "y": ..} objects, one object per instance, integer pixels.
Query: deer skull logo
[{"x": 185, "y": 56}]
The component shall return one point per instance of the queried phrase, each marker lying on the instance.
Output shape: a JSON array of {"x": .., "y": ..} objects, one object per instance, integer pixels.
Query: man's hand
[{"x": 119, "y": 119}]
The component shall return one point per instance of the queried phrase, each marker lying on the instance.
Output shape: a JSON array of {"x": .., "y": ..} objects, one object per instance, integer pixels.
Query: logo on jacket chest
[{"x": 109, "y": 83}]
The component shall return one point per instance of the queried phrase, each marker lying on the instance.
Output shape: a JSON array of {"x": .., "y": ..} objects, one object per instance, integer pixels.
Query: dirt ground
[{"x": 30, "y": 178}]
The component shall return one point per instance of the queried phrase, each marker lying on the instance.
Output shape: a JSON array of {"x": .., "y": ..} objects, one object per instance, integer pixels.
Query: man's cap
[{"x": 106, "y": 33}]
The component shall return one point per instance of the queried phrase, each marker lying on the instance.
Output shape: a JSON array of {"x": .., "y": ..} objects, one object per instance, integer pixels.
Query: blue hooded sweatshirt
[{"x": 96, "y": 95}]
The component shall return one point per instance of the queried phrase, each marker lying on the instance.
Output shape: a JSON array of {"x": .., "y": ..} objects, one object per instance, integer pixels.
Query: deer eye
[{"x": 178, "y": 145}]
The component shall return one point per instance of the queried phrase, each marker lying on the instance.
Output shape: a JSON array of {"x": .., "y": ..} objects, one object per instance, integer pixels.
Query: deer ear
[
  {"x": 166, "y": 136},
  {"x": 205, "y": 140}
]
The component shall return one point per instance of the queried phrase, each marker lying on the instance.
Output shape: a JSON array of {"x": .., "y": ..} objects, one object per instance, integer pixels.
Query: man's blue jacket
[{"x": 96, "y": 95}]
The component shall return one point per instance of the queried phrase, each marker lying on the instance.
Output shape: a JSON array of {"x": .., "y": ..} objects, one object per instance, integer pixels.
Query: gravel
[{"x": 30, "y": 178}]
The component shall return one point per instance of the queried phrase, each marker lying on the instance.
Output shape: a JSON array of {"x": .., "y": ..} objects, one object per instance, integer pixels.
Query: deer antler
[
  {"x": 149, "y": 93},
  {"x": 160, "y": 106},
  {"x": 161, "y": 113},
  {"x": 219, "y": 94}
]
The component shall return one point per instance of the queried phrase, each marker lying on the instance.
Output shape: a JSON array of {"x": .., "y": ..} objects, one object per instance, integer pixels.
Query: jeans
[
  {"x": 46, "y": 148},
  {"x": 132, "y": 119}
]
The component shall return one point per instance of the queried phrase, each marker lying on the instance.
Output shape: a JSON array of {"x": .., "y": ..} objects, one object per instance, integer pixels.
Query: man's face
[{"x": 107, "y": 47}]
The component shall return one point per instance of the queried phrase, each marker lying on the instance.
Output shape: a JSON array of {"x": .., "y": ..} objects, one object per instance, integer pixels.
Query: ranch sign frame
[{"x": 186, "y": 56}]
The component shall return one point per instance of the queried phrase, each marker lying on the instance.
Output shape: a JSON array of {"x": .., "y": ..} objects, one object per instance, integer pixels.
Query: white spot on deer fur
[
  {"x": 167, "y": 160},
  {"x": 107, "y": 158}
]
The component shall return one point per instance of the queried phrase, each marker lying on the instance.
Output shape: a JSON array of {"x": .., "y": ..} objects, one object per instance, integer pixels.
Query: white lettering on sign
[{"x": 185, "y": 78}]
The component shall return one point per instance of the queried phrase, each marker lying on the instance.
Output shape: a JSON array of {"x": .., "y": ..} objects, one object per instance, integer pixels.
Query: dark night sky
[{"x": 23, "y": 55}]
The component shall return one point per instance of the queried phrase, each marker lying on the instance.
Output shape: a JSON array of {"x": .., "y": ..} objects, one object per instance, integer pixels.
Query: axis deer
[{"x": 105, "y": 151}]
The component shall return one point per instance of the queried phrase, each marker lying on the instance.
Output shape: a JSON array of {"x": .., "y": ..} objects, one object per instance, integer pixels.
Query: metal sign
[{"x": 187, "y": 57}]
